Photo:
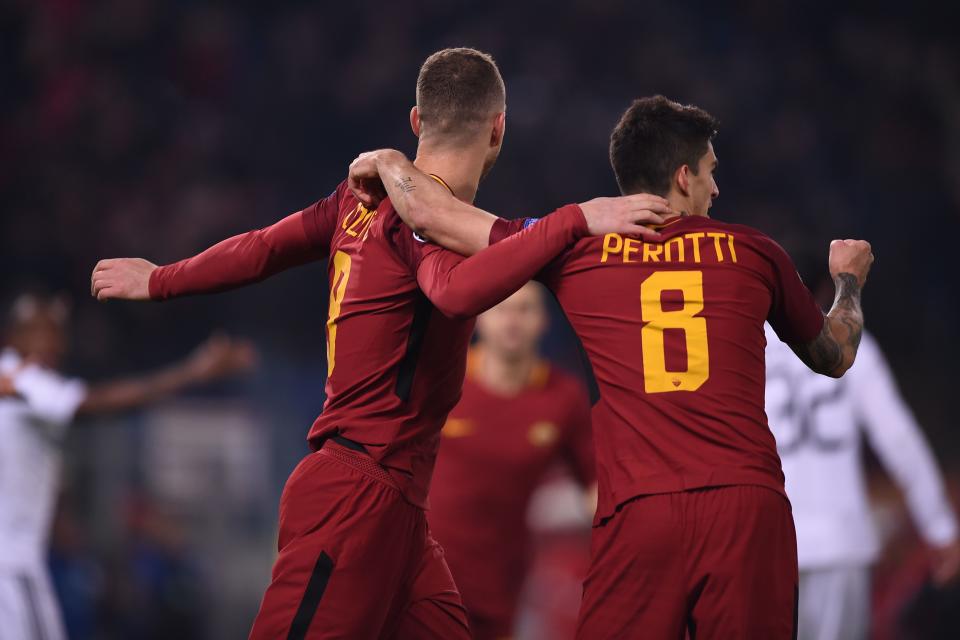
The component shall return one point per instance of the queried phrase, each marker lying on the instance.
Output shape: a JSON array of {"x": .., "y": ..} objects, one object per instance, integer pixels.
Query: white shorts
[
  {"x": 834, "y": 604},
  {"x": 28, "y": 605}
]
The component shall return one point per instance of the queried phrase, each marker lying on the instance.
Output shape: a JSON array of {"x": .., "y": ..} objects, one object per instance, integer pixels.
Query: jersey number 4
[
  {"x": 656, "y": 378},
  {"x": 338, "y": 287}
]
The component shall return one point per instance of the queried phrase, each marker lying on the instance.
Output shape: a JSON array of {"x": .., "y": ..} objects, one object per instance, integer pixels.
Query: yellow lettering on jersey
[
  {"x": 656, "y": 378},
  {"x": 338, "y": 287},
  {"x": 695, "y": 241},
  {"x": 673, "y": 250},
  {"x": 350, "y": 217},
  {"x": 357, "y": 222},
  {"x": 651, "y": 252},
  {"x": 716, "y": 244},
  {"x": 360, "y": 223},
  {"x": 612, "y": 243},
  {"x": 668, "y": 254}
]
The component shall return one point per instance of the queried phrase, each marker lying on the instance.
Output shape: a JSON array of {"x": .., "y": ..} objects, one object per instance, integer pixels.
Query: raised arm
[
  {"x": 241, "y": 260},
  {"x": 427, "y": 207},
  {"x": 217, "y": 358},
  {"x": 834, "y": 350}
]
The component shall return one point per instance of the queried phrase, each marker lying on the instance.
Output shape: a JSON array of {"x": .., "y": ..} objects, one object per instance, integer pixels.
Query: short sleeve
[
  {"x": 52, "y": 399},
  {"x": 794, "y": 313},
  {"x": 320, "y": 218}
]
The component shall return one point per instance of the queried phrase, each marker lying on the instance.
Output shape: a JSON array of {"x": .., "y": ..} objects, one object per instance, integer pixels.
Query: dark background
[{"x": 154, "y": 128}]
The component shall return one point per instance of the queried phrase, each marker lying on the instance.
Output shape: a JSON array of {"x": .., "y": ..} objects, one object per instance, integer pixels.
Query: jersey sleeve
[
  {"x": 461, "y": 287},
  {"x": 794, "y": 313},
  {"x": 503, "y": 228},
  {"x": 899, "y": 442},
  {"x": 52, "y": 400},
  {"x": 250, "y": 257}
]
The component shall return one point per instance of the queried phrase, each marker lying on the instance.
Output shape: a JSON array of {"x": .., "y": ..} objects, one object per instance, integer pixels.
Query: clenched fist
[
  {"x": 121, "y": 279},
  {"x": 851, "y": 256}
]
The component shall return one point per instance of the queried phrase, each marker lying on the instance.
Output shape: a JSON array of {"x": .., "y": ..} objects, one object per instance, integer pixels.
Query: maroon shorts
[
  {"x": 356, "y": 560},
  {"x": 715, "y": 563}
]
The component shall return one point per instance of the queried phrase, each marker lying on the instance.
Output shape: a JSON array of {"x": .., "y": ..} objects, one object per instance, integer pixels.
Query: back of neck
[{"x": 460, "y": 169}]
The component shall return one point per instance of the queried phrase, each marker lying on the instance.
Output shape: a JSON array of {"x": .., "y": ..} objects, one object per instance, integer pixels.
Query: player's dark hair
[
  {"x": 654, "y": 138},
  {"x": 458, "y": 90}
]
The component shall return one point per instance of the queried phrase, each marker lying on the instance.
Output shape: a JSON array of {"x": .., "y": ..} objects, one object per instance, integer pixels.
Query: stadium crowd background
[{"x": 154, "y": 128}]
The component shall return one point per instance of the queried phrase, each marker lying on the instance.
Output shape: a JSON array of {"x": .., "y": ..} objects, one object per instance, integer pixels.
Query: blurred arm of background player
[
  {"x": 218, "y": 357},
  {"x": 37, "y": 340},
  {"x": 898, "y": 440},
  {"x": 432, "y": 212}
]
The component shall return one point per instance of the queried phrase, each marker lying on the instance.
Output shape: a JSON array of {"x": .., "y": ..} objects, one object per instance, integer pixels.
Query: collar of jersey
[{"x": 441, "y": 181}]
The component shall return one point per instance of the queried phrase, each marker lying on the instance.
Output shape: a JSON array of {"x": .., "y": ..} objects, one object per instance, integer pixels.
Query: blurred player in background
[
  {"x": 693, "y": 530},
  {"x": 37, "y": 405},
  {"x": 818, "y": 423},
  {"x": 356, "y": 558},
  {"x": 517, "y": 418}
]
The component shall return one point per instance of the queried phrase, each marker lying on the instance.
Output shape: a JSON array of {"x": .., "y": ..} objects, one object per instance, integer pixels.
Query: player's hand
[
  {"x": 121, "y": 279},
  {"x": 946, "y": 564},
  {"x": 626, "y": 215},
  {"x": 220, "y": 357},
  {"x": 851, "y": 256},
  {"x": 364, "y": 180}
]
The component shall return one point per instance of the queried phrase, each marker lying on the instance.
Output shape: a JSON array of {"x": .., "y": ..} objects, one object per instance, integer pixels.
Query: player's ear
[
  {"x": 499, "y": 129},
  {"x": 682, "y": 179},
  {"x": 415, "y": 120}
]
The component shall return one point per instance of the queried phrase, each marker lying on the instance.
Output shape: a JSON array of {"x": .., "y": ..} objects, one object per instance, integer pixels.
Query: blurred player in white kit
[
  {"x": 817, "y": 422},
  {"x": 37, "y": 405}
]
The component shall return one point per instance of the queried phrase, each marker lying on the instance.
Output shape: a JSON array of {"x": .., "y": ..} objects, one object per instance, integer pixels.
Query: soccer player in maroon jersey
[
  {"x": 693, "y": 531},
  {"x": 517, "y": 419},
  {"x": 355, "y": 557}
]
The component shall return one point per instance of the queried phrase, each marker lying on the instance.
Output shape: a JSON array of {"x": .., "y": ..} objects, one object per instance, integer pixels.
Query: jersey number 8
[{"x": 656, "y": 378}]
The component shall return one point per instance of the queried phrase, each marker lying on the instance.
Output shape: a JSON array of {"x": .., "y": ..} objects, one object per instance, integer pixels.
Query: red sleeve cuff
[
  {"x": 502, "y": 228},
  {"x": 155, "y": 286}
]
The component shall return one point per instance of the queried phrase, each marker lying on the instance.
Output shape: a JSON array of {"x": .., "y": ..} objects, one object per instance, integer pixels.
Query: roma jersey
[
  {"x": 495, "y": 451},
  {"x": 400, "y": 316},
  {"x": 674, "y": 334}
]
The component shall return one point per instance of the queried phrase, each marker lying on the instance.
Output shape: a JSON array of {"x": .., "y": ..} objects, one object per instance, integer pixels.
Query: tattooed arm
[
  {"x": 428, "y": 207},
  {"x": 835, "y": 349},
  {"x": 424, "y": 203}
]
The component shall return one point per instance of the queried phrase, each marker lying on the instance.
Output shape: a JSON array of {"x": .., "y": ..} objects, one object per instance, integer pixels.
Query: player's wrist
[
  {"x": 580, "y": 224},
  {"x": 389, "y": 157},
  {"x": 155, "y": 289}
]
